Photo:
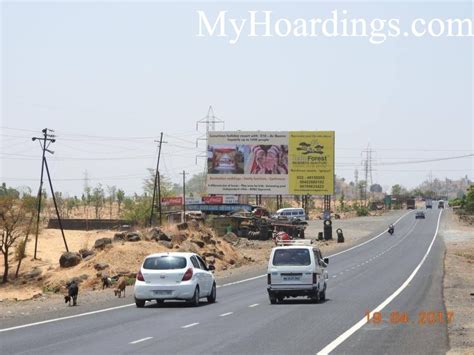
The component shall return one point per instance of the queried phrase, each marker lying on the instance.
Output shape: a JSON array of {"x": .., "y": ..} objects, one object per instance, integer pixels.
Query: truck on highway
[{"x": 411, "y": 204}]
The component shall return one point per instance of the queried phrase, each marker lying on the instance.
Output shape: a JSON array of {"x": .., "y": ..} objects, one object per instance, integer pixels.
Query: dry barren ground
[{"x": 459, "y": 282}]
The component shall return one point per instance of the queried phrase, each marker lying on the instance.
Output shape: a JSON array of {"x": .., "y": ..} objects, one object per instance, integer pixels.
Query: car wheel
[
  {"x": 195, "y": 300},
  {"x": 212, "y": 297},
  {"x": 140, "y": 303}
]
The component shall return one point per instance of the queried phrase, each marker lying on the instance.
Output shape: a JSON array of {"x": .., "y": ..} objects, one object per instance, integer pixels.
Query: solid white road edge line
[
  {"x": 218, "y": 286},
  {"x": 341, "y": 338},
  {"x": 189, "y": 325},
  {"x": 64, "y": 318},
  {"x": 140, "y": 340}
]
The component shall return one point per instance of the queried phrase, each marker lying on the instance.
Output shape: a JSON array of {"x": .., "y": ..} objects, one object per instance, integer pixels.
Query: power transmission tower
[
  {"x": 367, "y": 163},
  {"x": 157, "y": 183},
  {"x": 210, "y": 121},
  {"x": 45, "y": 141},
  {"x": 184, "y": 196},
  {"x": 356, "y": 179}
]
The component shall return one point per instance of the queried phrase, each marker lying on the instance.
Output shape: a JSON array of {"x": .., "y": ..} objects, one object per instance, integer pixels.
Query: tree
[
  {"x": 16, "y": 217},
  {"x": 397, "y": 190},
  {"x": 71, "y": 203},
  {"x": 376, "y": 188},
  {"x": 469, "y": 200},
  {"x": 166, "y": 184},
  {"x": 137, "y": 210},
  {"x": 196, "y": 185},
  {"x": 97, "y": 199},
  {"x": 120, "y": 198},
  {"x": 112, "y": 190},
  {"x": 8, "y": 191}
]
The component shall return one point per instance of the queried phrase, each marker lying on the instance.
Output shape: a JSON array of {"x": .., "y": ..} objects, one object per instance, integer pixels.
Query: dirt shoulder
[{"x": 459, "y": 282}]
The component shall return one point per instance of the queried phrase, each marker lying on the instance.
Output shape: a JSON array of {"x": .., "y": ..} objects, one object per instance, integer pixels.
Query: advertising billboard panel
[{"x": 270, "y": 163}]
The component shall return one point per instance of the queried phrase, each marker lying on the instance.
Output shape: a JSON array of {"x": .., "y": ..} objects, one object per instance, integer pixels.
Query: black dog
[
  {"x": 106, "y": 282},
  {"x": 72, "y": 292}
]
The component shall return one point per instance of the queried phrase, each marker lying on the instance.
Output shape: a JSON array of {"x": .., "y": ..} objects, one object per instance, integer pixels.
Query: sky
[{"x": 108, "y": 77}]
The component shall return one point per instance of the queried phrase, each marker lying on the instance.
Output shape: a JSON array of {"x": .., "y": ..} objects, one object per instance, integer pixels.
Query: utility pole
[
  {"x": 157, "y": 183},
  {"x": 184, "y": 196},
  {"x": 45, "y": 142}
]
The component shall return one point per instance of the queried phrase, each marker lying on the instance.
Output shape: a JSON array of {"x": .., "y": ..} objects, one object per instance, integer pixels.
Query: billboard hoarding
[{"x": 271, "y": 163}]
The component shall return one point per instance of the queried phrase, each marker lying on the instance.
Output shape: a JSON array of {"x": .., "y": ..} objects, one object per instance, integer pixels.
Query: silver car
[{"x": 174, "y": 276}]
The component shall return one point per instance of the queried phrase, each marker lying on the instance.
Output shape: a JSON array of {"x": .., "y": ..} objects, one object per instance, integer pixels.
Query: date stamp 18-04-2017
[{"x": 423, "y": 318}]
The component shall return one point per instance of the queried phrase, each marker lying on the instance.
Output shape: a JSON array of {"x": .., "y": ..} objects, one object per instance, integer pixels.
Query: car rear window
[
  {"x": 164, "y": 263},
  {"x": 291, "y": 257}
]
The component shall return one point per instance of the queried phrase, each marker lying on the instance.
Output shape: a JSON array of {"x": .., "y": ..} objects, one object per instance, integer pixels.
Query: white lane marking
[
  {"x": 334, "y": 276},
  {"x": 218, "y": 286},
  {"x": 368, "y": 241},
  {"x": 64, "y": 318},
  {"x": 341, "y": 338},
  {"x": 253, "y": 305},
  {"x": 140, "y": 340},
  {"x": 226, "y": 314},
  {"x": 189, "y": 325},
  {"x": 239, "y": 282}
]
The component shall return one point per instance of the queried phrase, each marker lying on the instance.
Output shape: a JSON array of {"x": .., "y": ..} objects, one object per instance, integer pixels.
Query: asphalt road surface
[{"x": 399, "y": 276}]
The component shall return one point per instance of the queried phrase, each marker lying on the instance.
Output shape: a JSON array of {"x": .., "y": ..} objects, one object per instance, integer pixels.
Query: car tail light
[
  {"x": 188, "y": 274},
  {"x": 140, "y": 276},
  {"x": 315, "y": 277}
]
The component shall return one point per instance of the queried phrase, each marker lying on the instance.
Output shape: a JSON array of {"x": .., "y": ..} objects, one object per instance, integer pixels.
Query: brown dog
[{"x": 121, "y": 285}]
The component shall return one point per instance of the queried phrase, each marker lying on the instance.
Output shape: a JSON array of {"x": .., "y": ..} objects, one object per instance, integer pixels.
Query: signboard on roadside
[
  {"x": 172, "y": 201},
  {"x": 271, "y": 163}
]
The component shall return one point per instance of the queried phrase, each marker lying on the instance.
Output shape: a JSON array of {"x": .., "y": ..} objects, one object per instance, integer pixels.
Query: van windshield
[{"x": 291, "y": 257}]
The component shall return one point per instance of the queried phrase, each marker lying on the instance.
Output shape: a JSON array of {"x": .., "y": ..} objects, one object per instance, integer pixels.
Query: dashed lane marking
[
  {"x": 189, "y": 325},
  {"x": 140, "y": 340},
  {"x": 226, "y": 314}
]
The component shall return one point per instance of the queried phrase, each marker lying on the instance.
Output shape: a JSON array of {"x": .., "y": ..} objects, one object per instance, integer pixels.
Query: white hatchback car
[
  {"x": 174, "y": 276},
  {"x": 296, "y": 270}
]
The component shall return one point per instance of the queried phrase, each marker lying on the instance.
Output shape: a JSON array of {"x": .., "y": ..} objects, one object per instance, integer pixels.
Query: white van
[
  {"x": 296, "y": 270},
  {"x": 292, "y": 213}
]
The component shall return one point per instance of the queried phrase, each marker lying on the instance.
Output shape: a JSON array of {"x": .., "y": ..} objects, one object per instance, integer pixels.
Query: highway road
[{"x": 399, "y": 276}]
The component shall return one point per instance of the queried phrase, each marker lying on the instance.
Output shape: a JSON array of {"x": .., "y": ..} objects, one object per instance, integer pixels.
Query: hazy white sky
[{"x": 109, "y": 77}]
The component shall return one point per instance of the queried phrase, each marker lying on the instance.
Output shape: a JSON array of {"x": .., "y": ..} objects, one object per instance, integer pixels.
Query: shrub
[
  {"x": 20, "y": 250},
  {"x": 362, "y": 211}
]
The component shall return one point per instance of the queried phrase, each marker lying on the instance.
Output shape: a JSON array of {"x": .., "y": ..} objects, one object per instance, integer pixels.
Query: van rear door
[{"x": 291, "y": 266}]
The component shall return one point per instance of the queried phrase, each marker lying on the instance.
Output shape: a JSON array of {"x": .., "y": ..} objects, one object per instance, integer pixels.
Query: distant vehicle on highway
[
  {"x": 420, "y": 214},
  {"x": 411, "y": 204},
  {"x": 174, "y": 276},
  {"x": 296, "y": 269},
  {"x": 441, "y": 204},
  {"x": 428, "y": 203},
  {"x": 292, "y": 213}
]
